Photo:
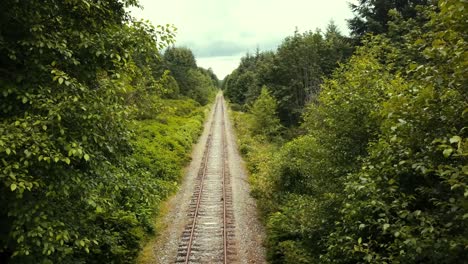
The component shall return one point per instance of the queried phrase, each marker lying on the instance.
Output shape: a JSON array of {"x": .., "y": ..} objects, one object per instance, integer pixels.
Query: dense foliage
[
  {"x": 373, "y": 17},
  {"x": 85, "y": 151},
  {"x": 293, "y": 73},
  {"x": 265, "y": 122},
  {"x": 193, "y": 81},
  {"x": 380, "y": 175}
]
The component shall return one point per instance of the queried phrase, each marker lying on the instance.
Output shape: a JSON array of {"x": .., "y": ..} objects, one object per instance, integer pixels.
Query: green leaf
[
  {"x": 86, "y": 157},
  {"x": 447, "y": 152},
  {"x": 13, "y": 187},
  {"x": 386, "y": 226},
  {"x": 60, "y": 80},
  {"x": 455, "y": 139}
]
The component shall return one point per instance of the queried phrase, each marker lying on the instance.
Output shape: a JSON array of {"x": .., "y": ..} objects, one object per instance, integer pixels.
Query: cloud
[
  {"x": 216, "y": 29},
  {"x": 221, "y": 48},
  {"x": 217, "y": 48}
]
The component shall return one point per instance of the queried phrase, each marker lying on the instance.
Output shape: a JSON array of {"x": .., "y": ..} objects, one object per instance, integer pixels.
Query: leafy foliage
[
  {"x": 380, "y": 175},
  {"x": 265, "y": 122},
  {"x": 242, "y": 86},
  {"x": 194, "y": 82},
  {"x": 76, "y": 183},
  {"x": 372, "y": 16},
  {"x": 412, "y": 180},
  {"x": 293, "y": 73}
]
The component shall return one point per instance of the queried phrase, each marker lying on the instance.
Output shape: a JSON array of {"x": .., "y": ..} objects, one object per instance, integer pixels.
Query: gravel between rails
[{"x": 249, "y": 232}]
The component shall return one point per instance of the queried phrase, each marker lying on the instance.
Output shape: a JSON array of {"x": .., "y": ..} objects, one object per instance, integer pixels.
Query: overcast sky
[{"x": 220, "y": 32}]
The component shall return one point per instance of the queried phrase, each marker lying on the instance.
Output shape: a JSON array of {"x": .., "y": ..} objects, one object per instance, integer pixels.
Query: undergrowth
[{"x": 162, "y": 149}]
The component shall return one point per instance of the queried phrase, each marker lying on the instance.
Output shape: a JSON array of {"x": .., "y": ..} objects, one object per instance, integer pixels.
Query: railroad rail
[{"x": 209, "y": 234}]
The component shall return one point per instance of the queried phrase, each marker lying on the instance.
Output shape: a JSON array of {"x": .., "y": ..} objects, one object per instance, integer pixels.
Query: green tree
[
  {"x": 241, "y": 80},
  {"x": 265, "y": 121},
  {"x": 201, "y": 86},
  {"x": 209, "y": 72},
  {"x": 193, "y": 81},
  {"x": 170, "y": 84},
  {"x": 408, "y": 202},
  {"x": 68, "y": 70},
  {"x": 301, "y": 63},
  {"x": 293, "y": 73},
  {"x": 179, "y": 61},
  {"x": 372, "y": 16},
  {"x": 380, "y": 176}
]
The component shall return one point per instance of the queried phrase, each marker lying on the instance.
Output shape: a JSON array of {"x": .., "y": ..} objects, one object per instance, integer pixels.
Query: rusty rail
[{"x": 189, "y": 245}]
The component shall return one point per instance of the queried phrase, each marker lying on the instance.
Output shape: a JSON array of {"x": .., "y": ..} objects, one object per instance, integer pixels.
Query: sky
[{"x": 220, "y": 32}]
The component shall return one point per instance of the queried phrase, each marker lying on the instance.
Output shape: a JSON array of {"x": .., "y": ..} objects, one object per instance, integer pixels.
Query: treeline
[
  {"x": 192, "y": 80},
  {"x": 95, "y": 126},
  {"x": 378, "y": 170},
  {"x": 293, "y": 73}
]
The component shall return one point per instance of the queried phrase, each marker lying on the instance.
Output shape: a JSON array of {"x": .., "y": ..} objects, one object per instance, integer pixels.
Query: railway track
[{"x": 209, "y": 236}]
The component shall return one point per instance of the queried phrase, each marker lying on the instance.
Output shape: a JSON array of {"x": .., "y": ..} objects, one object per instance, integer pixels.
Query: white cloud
[{"x": 217, "y": 30}]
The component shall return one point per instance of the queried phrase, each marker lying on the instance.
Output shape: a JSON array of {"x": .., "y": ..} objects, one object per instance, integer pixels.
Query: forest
[
  {"x": 97, "y": 120},
  {"x": 357, "y": 146}
]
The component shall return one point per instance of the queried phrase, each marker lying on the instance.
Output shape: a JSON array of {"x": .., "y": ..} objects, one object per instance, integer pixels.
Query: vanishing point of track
[{"x": 209, "y": 235}]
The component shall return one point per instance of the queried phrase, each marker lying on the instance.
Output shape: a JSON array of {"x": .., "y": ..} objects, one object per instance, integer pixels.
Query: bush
[{"x": 163, "y": 147}]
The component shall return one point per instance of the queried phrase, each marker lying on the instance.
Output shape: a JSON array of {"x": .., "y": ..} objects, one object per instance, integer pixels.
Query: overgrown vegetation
[
  {"x": 379, "y": 173},
  {"x": 89, "y": 142}
]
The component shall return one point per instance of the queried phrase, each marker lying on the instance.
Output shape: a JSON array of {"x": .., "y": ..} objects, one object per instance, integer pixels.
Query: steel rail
[
  {"x": 205, "y": 167},
  {"x": 224, "y": 186}
]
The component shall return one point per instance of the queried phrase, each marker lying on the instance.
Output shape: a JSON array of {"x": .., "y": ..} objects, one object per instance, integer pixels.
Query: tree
[
  {"x": 201, "y": 86},
  {"x": 338, "y": 50},
  {"x": 380, "y": 175},
  {"x": 209, "y": 72},
  {"x": 301, "y": 62},
  {"x": 406, "y": 204},
  {"x": 244, "y": 84},
  {"x": 265, "y": 121},
  {"x": 67, "y": 189},
  {"x": 372, "y": 16},
  {"x": 293, "y": 73},
  {"x": 193, "y": 81},
  {"x": 179, "y": 61}
]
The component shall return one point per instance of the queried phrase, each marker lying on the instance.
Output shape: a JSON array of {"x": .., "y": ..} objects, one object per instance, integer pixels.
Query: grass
[{"x": 164, "y": 145}]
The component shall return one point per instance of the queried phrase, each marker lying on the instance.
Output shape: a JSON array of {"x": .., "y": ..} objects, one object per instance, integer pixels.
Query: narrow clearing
[{"x": 212, "y": 218}]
